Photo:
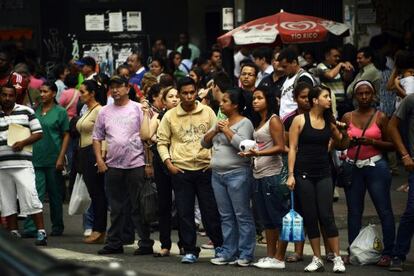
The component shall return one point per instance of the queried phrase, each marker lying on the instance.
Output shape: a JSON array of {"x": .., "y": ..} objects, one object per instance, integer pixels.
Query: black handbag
[
  {"x": 344, "y": 175},
  {"x": 148, "y": 200}
]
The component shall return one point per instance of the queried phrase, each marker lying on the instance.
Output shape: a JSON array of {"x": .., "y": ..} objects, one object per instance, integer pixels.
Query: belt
[{"x": 366, "y": 162}]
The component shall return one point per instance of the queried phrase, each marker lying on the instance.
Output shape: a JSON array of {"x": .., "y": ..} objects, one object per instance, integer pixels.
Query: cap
[
  {"x": 90, "y": 61},
  {"x": 118, "y": 79}
]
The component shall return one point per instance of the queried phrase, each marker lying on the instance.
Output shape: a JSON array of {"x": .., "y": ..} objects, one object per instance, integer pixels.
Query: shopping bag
[
  {"x": 367, "y": 247},
  {"x": 292, "y": 225},
  {"x": 80, "y": 199},
  {"x": 149, "y": 202}
]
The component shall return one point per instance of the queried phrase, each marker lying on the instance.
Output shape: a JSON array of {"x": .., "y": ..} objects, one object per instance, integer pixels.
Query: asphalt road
[{"x": 70, "y": 247}]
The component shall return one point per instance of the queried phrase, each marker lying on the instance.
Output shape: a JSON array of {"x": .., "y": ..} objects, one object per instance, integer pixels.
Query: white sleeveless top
[{"x": 264, "y": 166}]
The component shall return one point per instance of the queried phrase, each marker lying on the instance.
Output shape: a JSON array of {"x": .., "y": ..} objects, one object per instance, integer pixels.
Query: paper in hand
[{"x": 18, "y": 133}]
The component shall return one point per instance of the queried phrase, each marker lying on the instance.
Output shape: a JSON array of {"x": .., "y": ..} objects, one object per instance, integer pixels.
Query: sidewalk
[{"x": 398, "y": 199}]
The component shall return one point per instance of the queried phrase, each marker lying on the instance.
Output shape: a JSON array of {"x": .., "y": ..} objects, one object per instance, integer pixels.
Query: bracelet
[
  {"x": 148, "y": 164},
  {"x": 291, "y": 173},
  {"x": 405, "y": 156}
]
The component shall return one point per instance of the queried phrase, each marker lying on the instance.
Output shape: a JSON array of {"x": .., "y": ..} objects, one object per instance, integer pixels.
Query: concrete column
[
  {"x": 239, "y": 12},
  {"x": 196, "y": 22}
]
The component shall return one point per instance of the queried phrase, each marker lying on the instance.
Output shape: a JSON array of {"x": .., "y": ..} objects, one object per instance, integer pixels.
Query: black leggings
[
  {"x": 315, "y": 198},
  {"x": 95, "y": 183}
]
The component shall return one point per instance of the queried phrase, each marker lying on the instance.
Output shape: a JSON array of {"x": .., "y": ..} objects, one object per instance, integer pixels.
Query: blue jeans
[
  {"x": 232, "y": 191},
  {"x": 88, "y": 219},
  {"x": 406, "y": 228},
  {"x": 377, "y": 180}
]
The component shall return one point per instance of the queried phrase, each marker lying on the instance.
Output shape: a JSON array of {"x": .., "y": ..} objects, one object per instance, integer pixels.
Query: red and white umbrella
[{"x": 291, "y": 28}]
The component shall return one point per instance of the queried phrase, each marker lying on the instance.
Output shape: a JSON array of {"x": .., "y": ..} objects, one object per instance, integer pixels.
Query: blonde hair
[
  {"x": 147, "y": 81},
  {"x": 164, "y": 91}
]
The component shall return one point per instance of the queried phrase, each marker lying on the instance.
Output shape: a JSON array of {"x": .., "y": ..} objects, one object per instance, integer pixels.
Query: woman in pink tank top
[{"x": 371, "y": 172}]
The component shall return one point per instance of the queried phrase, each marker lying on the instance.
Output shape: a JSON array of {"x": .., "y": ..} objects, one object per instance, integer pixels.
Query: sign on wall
[
  {"x": 228, "y": 19},
  {"x": 114, "y": 22},
  {"x": 94, "y": 22},
  {"x": 133, "y": 21}
]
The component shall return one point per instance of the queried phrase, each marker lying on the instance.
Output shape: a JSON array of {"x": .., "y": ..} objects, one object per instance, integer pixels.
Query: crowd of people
[{"x": 178, "y": 118}]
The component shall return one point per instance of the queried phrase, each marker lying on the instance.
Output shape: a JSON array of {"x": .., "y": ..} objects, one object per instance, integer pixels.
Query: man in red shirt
[{"x": 8, "y": 76}]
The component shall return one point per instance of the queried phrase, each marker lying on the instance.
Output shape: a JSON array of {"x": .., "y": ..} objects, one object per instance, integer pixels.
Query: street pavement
[{"x": 70, "y": 247}]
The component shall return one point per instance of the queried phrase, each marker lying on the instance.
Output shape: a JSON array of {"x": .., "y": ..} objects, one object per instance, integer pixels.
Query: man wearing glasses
[{"x": 119, "y": 125}]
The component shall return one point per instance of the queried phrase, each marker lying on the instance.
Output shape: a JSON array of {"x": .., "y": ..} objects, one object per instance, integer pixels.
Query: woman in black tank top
[{"x": 310, "y": 137}]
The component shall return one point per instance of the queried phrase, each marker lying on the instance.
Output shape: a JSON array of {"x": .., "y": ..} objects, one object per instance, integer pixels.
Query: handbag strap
[
  {"x": 83, "y": 119},
  {"x": 292, "y": 201},
  {"x": 362, "y": 135},
  {"x": 72, "y": 100}
]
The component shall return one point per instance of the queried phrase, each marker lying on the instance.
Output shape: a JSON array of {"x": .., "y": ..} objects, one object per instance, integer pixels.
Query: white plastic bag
[
  {"x": 367, "y": 247},
  {"x": 80, "y": 199}
]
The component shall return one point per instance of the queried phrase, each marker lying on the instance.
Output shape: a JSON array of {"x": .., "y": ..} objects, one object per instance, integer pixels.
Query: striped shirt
[
  {"x": 336, "y": 84},
  {"x": 24, "y": 116}
]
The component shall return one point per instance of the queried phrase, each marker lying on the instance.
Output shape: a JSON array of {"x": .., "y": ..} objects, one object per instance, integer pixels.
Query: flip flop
[
  {"x": 294, "y": 258},
  {"x": 160, "y": 255}
]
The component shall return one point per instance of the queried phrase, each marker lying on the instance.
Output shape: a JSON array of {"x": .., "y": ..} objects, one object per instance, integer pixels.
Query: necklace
[{"x": 45, "y": 111}]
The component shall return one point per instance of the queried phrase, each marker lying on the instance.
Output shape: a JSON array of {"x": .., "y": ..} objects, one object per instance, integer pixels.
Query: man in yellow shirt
[{"x": 179, "y": 145}]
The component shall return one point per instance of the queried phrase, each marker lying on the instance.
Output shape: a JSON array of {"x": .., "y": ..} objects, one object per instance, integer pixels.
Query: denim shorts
[{"x": 272, "y": 201}]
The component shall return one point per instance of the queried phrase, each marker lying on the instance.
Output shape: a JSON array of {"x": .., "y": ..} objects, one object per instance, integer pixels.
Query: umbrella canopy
[{"x": 292, "y": 28}]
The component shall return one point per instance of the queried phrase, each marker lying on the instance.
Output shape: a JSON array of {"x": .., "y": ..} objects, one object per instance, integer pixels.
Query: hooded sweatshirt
[{"x": 179, "y": 135}]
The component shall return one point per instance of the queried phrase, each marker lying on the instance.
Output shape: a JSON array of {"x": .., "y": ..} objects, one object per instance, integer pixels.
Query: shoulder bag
[{"x": 344, "y": 176}]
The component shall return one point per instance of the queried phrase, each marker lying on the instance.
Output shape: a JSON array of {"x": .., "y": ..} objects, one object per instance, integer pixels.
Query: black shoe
[
  {"x": 107, "y": 251},
  {"x": 41, "y": 239},
  {"x": 56, "y": 233},
  {"x": 144, "y": 251},
  {"x": 396, "y": 265}
]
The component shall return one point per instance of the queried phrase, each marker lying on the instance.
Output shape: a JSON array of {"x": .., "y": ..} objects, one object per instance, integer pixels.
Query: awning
[{"x": 16, "y": 34}]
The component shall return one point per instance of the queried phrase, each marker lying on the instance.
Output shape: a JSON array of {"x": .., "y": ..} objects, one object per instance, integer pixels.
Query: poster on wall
[
  {"x": 115, "y": 22},
  {"x": 103, "y": 55},
  {"x": 94, "y": 22},
  {"x": 133, "y": 21},
  {"x": 109, "y": 55}
]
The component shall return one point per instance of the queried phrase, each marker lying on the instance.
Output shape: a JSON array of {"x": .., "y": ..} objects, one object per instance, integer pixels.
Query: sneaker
[
  {"x": 243, "y": 262},
  {"x": 218, "y": 252},
  {"x": 87, "y": 232},
  {"x": 221, "y": 261},
  {"x": 189, "y": 259},
  {"x": 208, "y": 245},
  {"x": 330, "y": 257},
  {"x": 396, "y": 265},
  {"x": 270, "y": 263},
  {"x": 41, "y": 239},
  {"x": 15, "y": 234},
  {"x": 261, "y": 260},
  {"x": 338, "y": 265},
  {"x": 315, "y": 265}
]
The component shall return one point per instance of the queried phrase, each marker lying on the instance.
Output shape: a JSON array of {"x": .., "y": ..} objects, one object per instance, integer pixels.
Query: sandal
[
  {"x": 162, "y": 253},
  {"x": 346, "y": 259},
  {"x": 385, "y": 261},
  {"x": 260, "y": 239},
  {"x": 294, "y": 258}
]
